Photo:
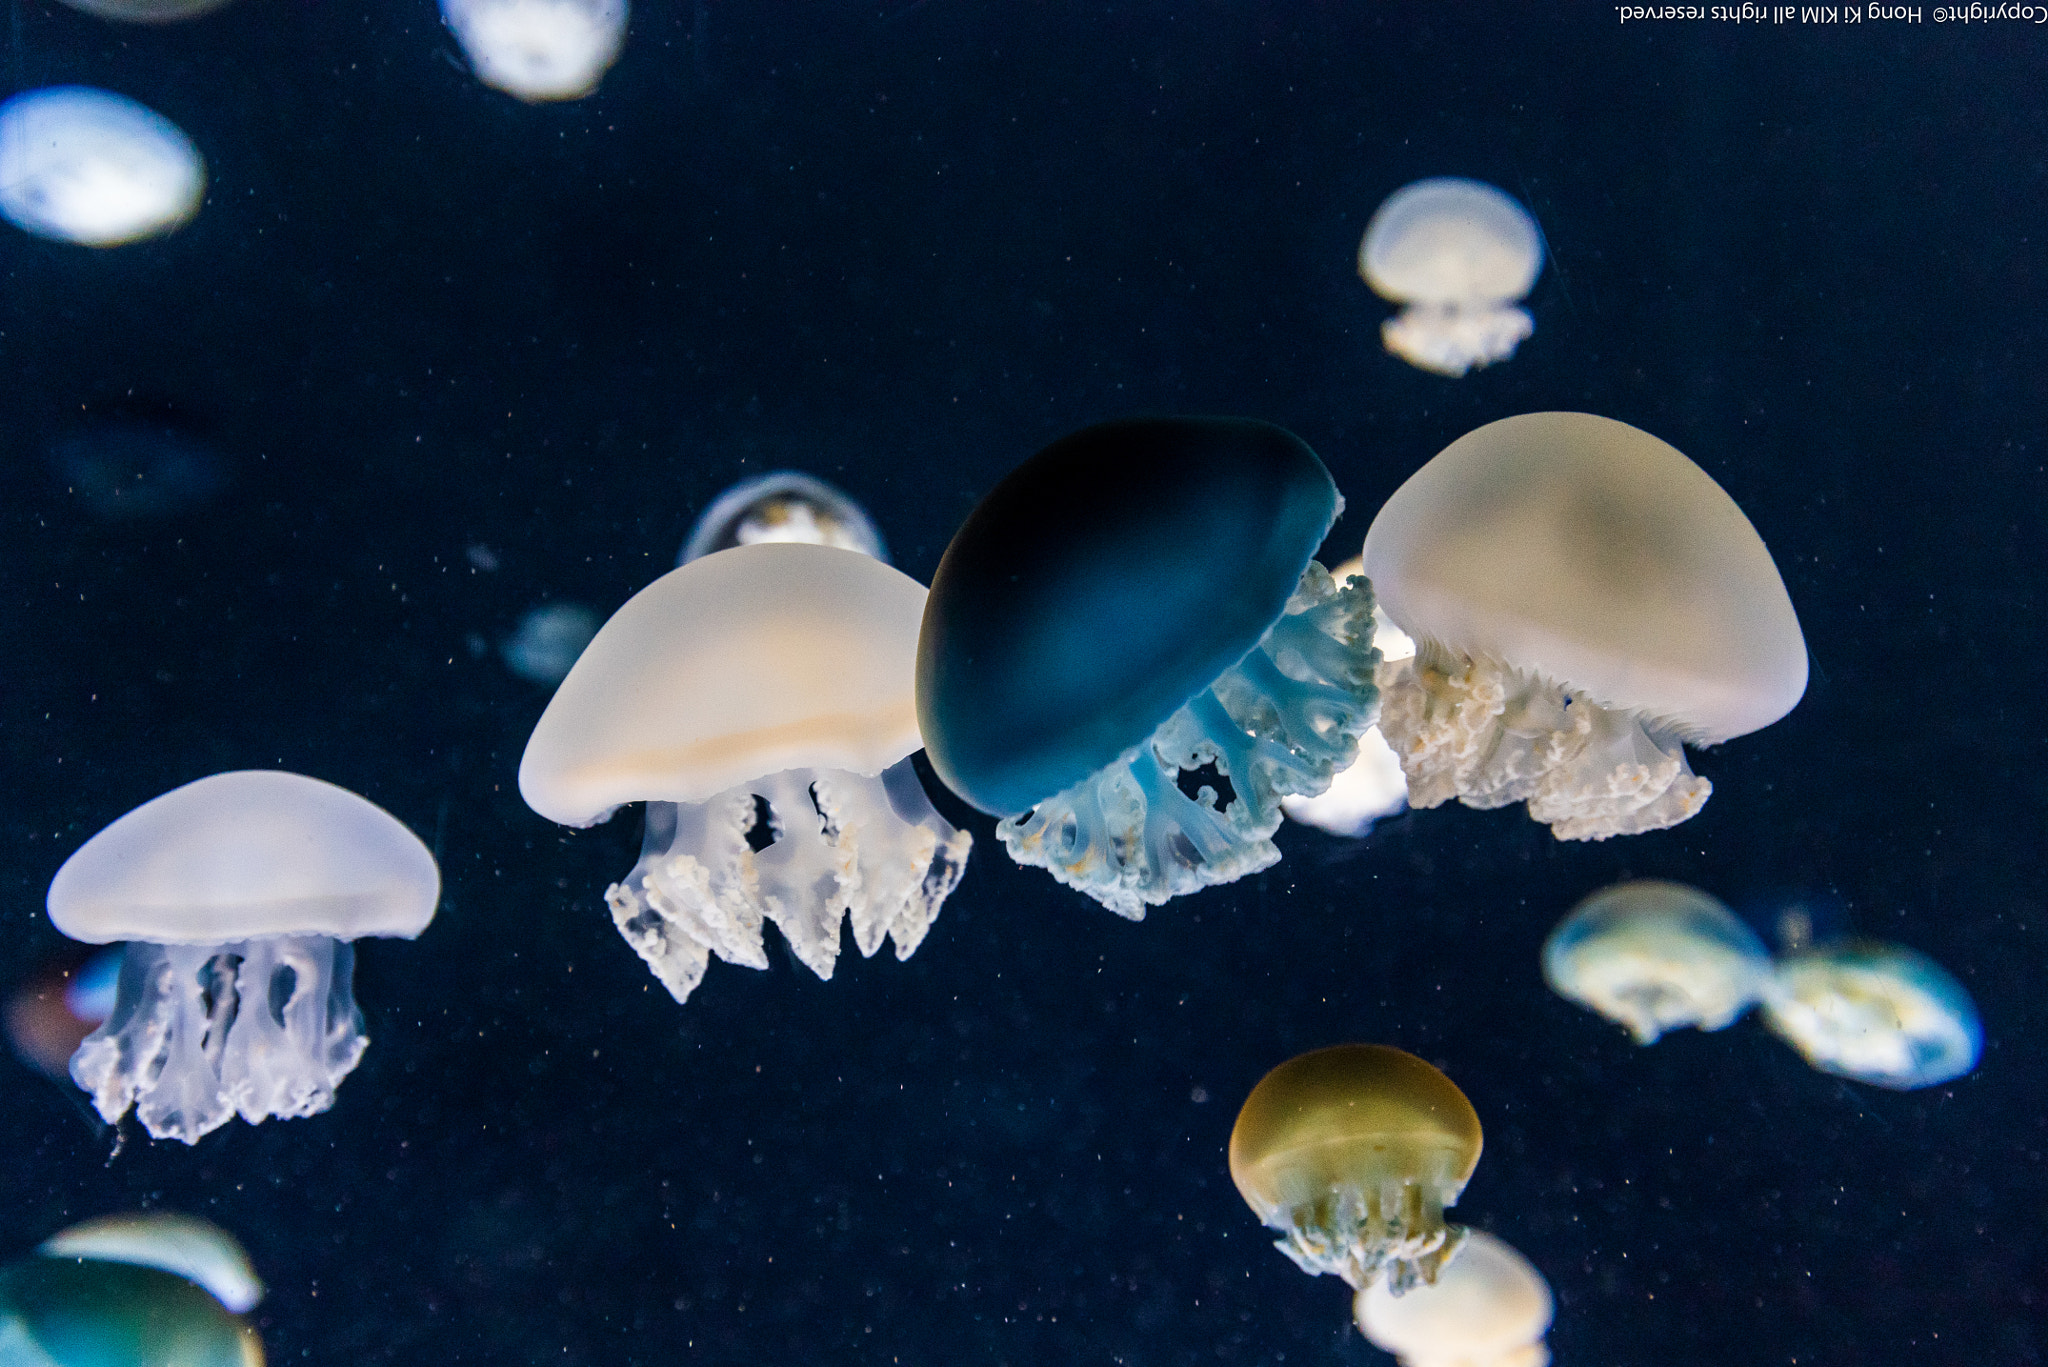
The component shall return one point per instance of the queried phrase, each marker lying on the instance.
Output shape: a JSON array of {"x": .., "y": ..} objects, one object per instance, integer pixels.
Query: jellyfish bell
[
  {"x": 1460, "y": 254},
  {"x": 146, "y": 11},
  {"x": 1489, "y": 1307},
  {"x": 548, "y": 641},
  {"x": 1876, "y": 1013},
  {"x": 238, "y": 897},
  {"x": 539, "y": 50},
  {"x": 195, "y": 1249},
  {"x": 1373, "y": 786},
  {"x": 1352, "y": 1153},
  {"x": 1654, "y": 956},
  {"x": 1137, "y": 602},
  {"x": 759, "y": 701},
  {"x": 786, "y": 505},
  {"x": 94, "y": 168},
  {"x": 97, "y": 1312},
  {"x": 1585, "y": 602}
]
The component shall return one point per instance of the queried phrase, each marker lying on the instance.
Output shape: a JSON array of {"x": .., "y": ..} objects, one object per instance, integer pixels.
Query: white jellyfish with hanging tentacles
[
  {"x": 1461, "y": 256},
  {"x": 1655, "y": 956}
]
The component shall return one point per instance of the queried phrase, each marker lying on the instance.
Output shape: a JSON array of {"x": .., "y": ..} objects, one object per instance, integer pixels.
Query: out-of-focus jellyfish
[
  {"x": 759, "y": 701},
  {"x": 1132, "y": 609},
  {"x": 539, "y": 50},
  {"x": 1585, "y": 602},
  {"x": 1373, "y": 786},
  {"x": 65, "y": 1310},
  {"x": 1489, "y": 1308},
  {"x": 146, "y": 11},
  {"x": 544, "y": 648},
  {"x": 195, "y": 1249},
  {"x": 237, "y": 896},
  {"x": 1461, "y": 255},
  {"x": 1352, "y": 1153},
  {"x": 1873, "y": 1012},
  {"x": 127, "y": 471},
  {"x": 784, "y": 506},
  {"x": 50, "y": 1015},
  {"x": 87, "y": 166},
  {"x": 1654, "y": 956}
]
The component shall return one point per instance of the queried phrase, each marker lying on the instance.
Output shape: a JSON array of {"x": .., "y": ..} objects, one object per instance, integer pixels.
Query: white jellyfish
[
  {"x": 1373, "y": 786},
  {"x": 1585, "y": 602},
  {"x": 1489, "y": 1307},
  {"x": 544, "y": 648},
  {"x": 237, "y": 896},
  {"x": 87, "y": 166},
  {"x": 787, "y": 505},
  {"x": 539, "y": 50},
  {"x": 1654, "y": 956},
  {"x": 1460, "y": 254},
  {"x": 759, "y": 700},
  {"x": 195, "y": 1249},
  {"x": 1873, "y": 1012}
]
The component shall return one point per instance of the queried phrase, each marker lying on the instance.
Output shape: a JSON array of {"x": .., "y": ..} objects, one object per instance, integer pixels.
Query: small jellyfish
[
  {"x": 237, "y": 896},
  {"x": 1352, "y": 1152},
  {"x": 1585, "y": 603},
  {"x": 1654, "y": 956},
  {"x": 1873, "y": 1012},
  {"x": 1374, "y": 786},
  {"x": 1460, "y": 254},
  {"x": 86, "y": 166},
  {"x": 126, "y": 470},
  {"x": 538, "y": 50},
  {"x": 759, "y": 701},
  {"x": 1133, "y": 608},
  {"x": 50, "y": 1015},
  {"x": 146, "y": 11},
  {"x": 92, "y": 1311},
  {"x": 545, "y": 647},
  {"x": 195, "y": 1249},
  {"x": 1489, "y": 1308},
  {"x": 784, "y": 506}
]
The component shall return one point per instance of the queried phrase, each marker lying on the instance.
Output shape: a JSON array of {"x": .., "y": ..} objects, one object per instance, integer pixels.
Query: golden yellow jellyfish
[{"x": 1352, "y": 1153}]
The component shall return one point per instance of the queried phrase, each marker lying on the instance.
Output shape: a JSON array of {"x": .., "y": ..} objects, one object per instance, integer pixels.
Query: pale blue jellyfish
[
  {"x": 1461, "y": 255},
  {"x": 1876, "y": 1013},
  {"x": 549, "y": 639},
  {"x": 1655, "y": 956},
  {"x": 197, "y": 1250},
  {"x": 91, "y": 167},
  {"x": 786, "y": 505},
  {"x": 1373, "y": 787}
]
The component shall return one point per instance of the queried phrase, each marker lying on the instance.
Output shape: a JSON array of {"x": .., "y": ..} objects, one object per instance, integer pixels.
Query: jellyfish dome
[
  {"x": 548, "y": 640},
  {"x": 1460, "y": 254},
  {"x": 1876, "y": 1013},
  {"x": 1585, "y": 601},
  {"x": 87, "y": 166},
  {"x": 146, "y": 11},
  {"x": 237, "y": 897},
  {"x": 1373, "y": 787},
  {"x": 1490, "y": 1307},
  {"x": 1654, "y": 956},
  {"x": 1136, "y": 602},
  {"x": 195, "y": 1249},
  {"x": 1352, "y": 1153},
  {"x": 786, "y": 505},
  {"x": 539, "y": 50},
  {"x": 759, "y": 701},
  {"x": 66, "y": 1311}
]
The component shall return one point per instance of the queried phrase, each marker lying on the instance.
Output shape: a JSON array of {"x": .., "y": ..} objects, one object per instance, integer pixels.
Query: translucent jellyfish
[
  {"x": 1373, "y": 786},
  {"x": 237, "y": 896},
  {"x": 86, "y": 166},
  {"x": 784, "y": 506},
  {"x": 1655, "y": 956},
  {"x": 759, "y": 701},
  {"x": 98, "y": 1312},
  {"x": 1877, "y": 1013},
  {"x": 1352, "y": 1153},
  {"x": 195, "y": 1249},
  {"x": 130, "y": 471},
  {"x": 146, "y": 11},
  {"x": 50, "y": 1015},
  {"x": 1585, "y": 602},
  {"x": 1460, "y": 254},
  {"x": 545, "y": 647},
  {"x": 1133, "y": 609},
  {"x": 1489, "y": 1308},
  {"x": 539, "y": 50}
]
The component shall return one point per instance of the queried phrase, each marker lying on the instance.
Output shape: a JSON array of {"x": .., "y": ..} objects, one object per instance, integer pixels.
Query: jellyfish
[
  {"x": 1133, "y": 610},
  {"x": 784, "y": 506},
  {"x": 1876, "y": 1013},
  {"x": 759, "y": 701},
  {"x": 544, "y": 648},
  {"x": 237, "y": 897},
  {"x": 1585, "y": 602},
  {"x": 146, "y": 11},
  {"x": 86, "y": 166},
  {"x": 195, "y": 1249},
  {"x": 1373, "y": 786},
  {"x": 1352, "y": 1152},
  {"x": 126, "y": 470},
  {"x": 1489, "y": 1308},
  {"x": 1460, "y": 254},
  {"x": 61, "y": 1310},
  {"x": 538, "y": 50},
  {"x": 1654, "y": 956}
]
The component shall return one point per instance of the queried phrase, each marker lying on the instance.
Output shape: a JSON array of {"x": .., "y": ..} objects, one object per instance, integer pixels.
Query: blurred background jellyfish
[
  {"x": 1585, "y": 602},
  {"x": 87, "y": 166},
  {"x": 131, "y": 470},
  {"x": 1874, "y": 1012},
  {"x": 1373, "y": 786},
  {"x": 1654, "y": 956},
  {"x": 146, "y": 11},
  {"x": 787, "y": 505},
  {"x": 1489, "y": 1308},
  {"x": 548, "y": 641},
  {"x": 50, "y": 1015},
  {"x": 1352, "y": 1152},
  {"x": 197, "y": 1250},
  {"x": 1461, "y": 255},
  {"x": 237, "y": 897},
  {"x": 539, "y": 50},
  {"x": 1131, "y": 610},
  {"x": 759, "y": 701}
]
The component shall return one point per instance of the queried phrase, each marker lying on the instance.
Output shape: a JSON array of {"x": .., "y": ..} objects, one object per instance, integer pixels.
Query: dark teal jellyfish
[
  {"x": 60, "y": 1309},
  {"x": 1132, "y": 609}
]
